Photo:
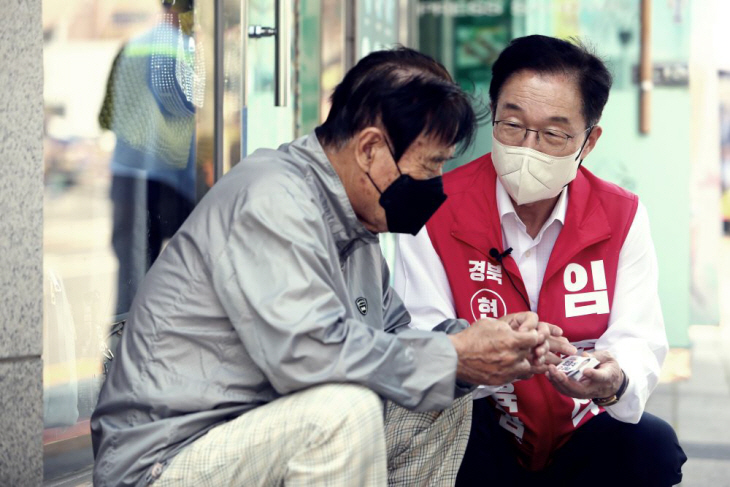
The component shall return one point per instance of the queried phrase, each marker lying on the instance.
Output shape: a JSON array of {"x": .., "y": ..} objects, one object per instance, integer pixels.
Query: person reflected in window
[{"x": 150, "y": 102}]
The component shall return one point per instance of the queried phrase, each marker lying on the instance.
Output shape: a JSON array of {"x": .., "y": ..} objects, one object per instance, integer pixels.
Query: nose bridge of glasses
[{"x": 525, "y": 138}]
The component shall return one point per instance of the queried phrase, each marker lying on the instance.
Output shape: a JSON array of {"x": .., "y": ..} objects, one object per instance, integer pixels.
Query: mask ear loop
[
  {"x": 590, "y": 129},
  {"x": 394, "y": 162},
  {"x": 371, "y": 180},
  {"x": 392, "y": 155}
]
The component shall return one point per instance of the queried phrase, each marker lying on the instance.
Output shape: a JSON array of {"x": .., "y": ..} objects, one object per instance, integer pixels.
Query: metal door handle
[
  {"x": 283, "y": 50},
  {"x": 283, "y": 53},
  {"x": 258, "y": 31}
]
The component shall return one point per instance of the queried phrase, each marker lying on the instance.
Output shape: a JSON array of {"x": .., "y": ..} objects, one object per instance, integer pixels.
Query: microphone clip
[{"x": 496, "y": 255}]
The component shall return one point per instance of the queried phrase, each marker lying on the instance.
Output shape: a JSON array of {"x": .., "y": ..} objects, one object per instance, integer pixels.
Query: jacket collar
[
  {"x": 348, "y": 232},
  {"x": 477, "y": 220}
]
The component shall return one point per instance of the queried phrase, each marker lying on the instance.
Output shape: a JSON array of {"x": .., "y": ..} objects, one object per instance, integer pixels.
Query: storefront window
[{"x": 125, "y": 85}]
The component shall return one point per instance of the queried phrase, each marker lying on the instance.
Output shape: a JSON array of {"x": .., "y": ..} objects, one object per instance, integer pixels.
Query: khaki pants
[{"x": 331, "y": 435}]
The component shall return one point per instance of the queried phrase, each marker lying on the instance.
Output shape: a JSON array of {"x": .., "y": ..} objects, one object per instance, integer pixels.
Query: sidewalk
[
  {"x": 699, "y": 409},
  {"x": 698, "y": 406}
]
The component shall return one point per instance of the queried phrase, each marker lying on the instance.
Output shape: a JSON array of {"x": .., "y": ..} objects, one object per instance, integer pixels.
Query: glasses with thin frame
[{"x": 513, "y": 133}]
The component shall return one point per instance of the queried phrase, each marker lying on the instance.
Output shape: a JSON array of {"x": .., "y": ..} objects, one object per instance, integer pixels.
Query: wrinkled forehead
[{"x": 553, "y": 96}]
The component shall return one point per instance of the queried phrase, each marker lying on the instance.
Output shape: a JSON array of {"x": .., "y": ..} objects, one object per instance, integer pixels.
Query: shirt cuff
[{"x": 631, "y": 405}]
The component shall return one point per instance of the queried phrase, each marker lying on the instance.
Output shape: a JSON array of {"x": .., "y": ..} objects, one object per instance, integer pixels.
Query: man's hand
[
  {"x": 558, "y": 345},
  {"x": 496, "y": 352},
  {"x": 540, "y": 356},
  {"x": 603, "y": 381}
]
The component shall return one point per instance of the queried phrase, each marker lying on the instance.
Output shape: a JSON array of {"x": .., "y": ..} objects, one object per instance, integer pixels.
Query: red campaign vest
[{"x": 576, "y": 293}]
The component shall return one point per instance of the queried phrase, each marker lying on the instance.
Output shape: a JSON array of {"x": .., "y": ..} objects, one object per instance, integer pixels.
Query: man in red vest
[{"x": 527, "y": 228}]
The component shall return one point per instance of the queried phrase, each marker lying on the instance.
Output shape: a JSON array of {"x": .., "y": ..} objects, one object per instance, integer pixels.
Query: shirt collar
[{"x": 505, "y": 207}]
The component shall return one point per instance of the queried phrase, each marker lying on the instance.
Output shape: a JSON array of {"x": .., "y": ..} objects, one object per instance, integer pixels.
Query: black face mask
[{"x": 409, "y": 203}]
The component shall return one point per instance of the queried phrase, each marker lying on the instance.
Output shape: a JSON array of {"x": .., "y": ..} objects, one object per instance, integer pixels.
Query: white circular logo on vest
[{"x": 487, "y": 304}]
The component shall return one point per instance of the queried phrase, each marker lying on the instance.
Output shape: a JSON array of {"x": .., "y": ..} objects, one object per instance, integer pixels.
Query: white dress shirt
[{"x": 635, "y": 334}]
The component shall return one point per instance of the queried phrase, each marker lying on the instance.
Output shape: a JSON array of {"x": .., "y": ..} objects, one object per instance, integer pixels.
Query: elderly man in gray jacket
[{"x": 263, "y": 341}]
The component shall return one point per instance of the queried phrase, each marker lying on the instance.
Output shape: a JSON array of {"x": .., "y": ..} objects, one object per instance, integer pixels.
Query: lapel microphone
[{"x": 496, "y": 255}]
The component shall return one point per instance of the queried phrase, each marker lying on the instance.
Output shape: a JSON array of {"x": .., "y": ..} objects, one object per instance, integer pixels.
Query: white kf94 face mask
[{"x": 529, "y": 175}]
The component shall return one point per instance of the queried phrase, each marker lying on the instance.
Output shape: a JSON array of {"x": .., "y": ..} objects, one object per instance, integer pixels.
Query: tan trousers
[{"x": 331, "y": 435}]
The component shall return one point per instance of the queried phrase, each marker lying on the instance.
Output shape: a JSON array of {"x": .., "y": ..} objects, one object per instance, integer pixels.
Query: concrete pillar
[{"x": 21, "y": 242}]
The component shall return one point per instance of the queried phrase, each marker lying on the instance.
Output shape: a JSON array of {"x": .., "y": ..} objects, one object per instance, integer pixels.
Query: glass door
[
  {"x": 147, "y": 103},
  {"x": 125, "y": 83},
  {"x": 268, "y": 117},
  {"x": 251, "y": 96}
]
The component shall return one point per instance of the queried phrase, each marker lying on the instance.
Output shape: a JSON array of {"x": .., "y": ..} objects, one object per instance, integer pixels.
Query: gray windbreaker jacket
[{"x": 270, "y": 267}]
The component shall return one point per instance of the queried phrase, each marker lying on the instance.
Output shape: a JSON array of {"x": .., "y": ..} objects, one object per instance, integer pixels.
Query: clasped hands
[{"x": 518, "y": 346}]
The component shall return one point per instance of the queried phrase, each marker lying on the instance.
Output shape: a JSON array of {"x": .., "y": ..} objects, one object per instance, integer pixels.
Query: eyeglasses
[{"x": 513, "y": 133}]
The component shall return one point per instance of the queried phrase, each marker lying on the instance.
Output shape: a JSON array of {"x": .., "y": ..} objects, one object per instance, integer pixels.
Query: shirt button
[{"x": 528, "y": 253}]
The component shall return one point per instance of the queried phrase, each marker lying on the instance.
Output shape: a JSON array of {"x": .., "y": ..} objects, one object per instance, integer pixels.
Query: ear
[
  {"x": 366, "y": 142},
  {"x": 591, "y": 143}
]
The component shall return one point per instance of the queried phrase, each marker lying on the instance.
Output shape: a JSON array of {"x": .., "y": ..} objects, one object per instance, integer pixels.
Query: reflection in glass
[
  {"x": 125, "y": 83},
  {"x": 155, "y": 84},
  {"x": 128, "y": 151}
]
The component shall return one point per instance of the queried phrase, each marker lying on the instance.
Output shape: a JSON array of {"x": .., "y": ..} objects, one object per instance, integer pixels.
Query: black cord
[{"x": 496, "y": 255}]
